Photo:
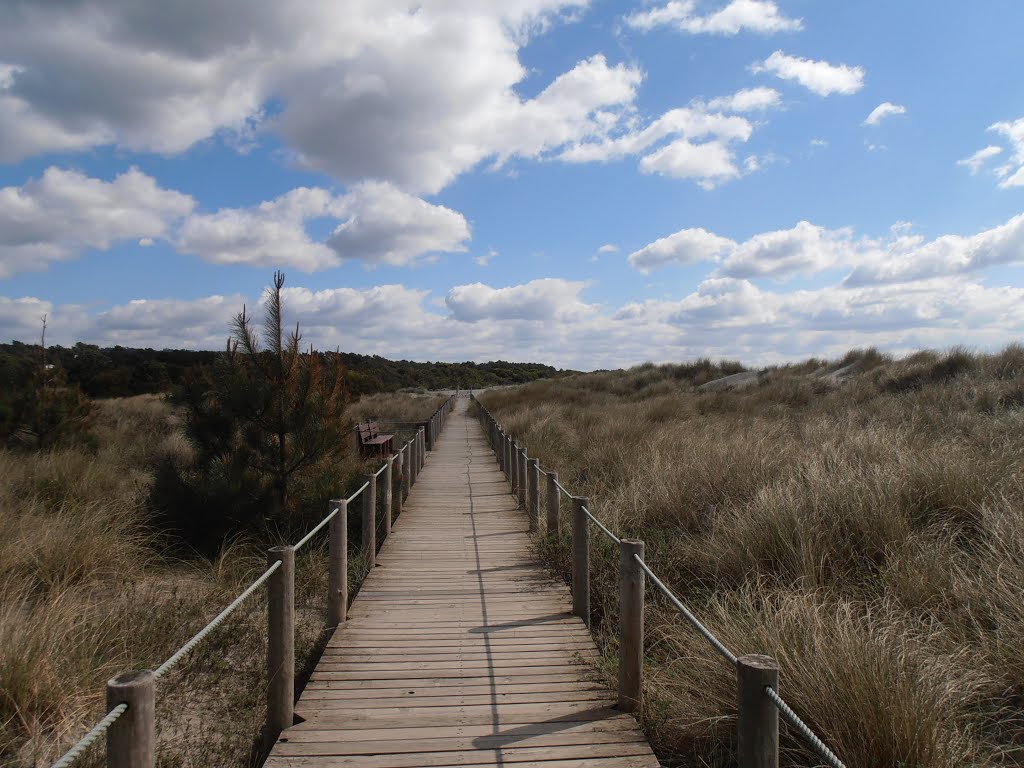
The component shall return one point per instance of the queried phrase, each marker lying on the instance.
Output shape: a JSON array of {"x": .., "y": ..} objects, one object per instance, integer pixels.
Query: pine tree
[
  {"x": 290, "y": 405},
  {"x": 265, "y": 416}
]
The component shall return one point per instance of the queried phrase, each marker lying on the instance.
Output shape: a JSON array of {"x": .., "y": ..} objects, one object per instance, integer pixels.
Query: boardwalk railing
[
  {"x": 130, "y": 722},
  {"x": 757, "y": 676}
]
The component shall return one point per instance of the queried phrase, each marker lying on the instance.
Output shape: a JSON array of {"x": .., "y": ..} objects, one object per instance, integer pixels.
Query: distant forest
[{"x": 123, "y": 371}]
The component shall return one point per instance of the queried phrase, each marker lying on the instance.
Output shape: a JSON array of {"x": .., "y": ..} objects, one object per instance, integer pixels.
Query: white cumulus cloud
[
  {"x": 819, "y": 77},
  {"x": 414, "y": 95},
  {"x": 684, "y": 247},
  {"x": 806, "y": 248},
  {"x": 541, "y": 300},
  {"x": 62, "y": 213},
  {"x": 1012, "y": 174},
  {"x": 979, "y": 158},
  {"x": 747, "y": 100},
  {"x": 687, "y": 143},
  {"x": 378, "y": 224},
  {"x": 882, "y": 111},
  {"x": 761, "y": 16}
]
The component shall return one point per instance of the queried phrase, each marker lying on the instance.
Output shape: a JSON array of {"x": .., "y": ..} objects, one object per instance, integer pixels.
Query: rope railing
[
  {"x": 281, "y": 630},
  {"x": 751, "y": 669},
  {"x": 601, "y": 526},
  {"x": 793, "y": 719},
  {"x": 355, "y": 495},
  {"x": 90, "y": 738},
  {"x": 717, "y": 644},
  {"x": 319, "y": 526},
  {"x": 214, "y": 623}
]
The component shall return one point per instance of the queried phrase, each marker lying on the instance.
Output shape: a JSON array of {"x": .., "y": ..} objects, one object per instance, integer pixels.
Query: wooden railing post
[
  {"x": 552, "y": 504},
  {"x": 757, "y": 720},
  {"x": 337, "y": 564},
  {"x": 522, "y": 475},
  {"x": 506, "y": 452},
  {"x": 407, "y": 469},
  {"x": 388, "y": 494},
  {"x": 399, "y": 481},
  {"x": 414, "y": 460},
  {"x": 370, "y": 521},
  {"x": 499, "y": 449},
  {"x": 513, "y": 455},
  {"x": 280, "y": 642},
  {"x": 131, "y": 740},
  {"x": 580, "y": 559},
  {"x": 423, "y": 447},
  {"x": 631, "y": 625},
  {"x": 533, "y": 495}
]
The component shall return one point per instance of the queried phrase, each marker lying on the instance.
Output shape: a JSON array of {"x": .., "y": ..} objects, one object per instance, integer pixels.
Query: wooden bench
[{"x": 372, "y": 441}]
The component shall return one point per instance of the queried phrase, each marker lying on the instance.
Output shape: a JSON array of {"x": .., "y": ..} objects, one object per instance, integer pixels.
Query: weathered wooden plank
[{"x": 460, "y": 650}]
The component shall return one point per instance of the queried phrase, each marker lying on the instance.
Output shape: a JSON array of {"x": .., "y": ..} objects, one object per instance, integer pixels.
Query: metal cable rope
[
  {"x": 87, "y": 741},
  {"x": 793, "y": 719},
  {"x": 708, "y": 635},
  {"x": 199, "y": 636},
  {"x": 305, "y": 539},
  {"x": 559, "y": 485},
  {"x": 377, "y": 473},
  {"x": 362, "y": 488},
  {"x": 602, "y": 526}
]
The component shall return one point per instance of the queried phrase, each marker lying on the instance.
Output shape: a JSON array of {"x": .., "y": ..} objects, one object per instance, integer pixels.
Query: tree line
[{"x": 126, "y": 371}]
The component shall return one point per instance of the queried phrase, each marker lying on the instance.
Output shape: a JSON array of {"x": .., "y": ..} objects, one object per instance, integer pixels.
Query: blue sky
[{"x": 583, "y": 184}]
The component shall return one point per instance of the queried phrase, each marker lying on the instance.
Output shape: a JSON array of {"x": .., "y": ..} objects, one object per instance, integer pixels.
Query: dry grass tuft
[
  {"x": 862, "y": 520},
  {"x": 87, "y": 591}
]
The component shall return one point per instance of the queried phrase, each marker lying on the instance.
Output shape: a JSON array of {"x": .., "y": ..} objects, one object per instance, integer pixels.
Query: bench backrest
[{"x": 368, "y": 431}]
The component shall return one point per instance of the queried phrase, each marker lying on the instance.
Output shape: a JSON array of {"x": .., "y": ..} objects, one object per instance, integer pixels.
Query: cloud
[
  {"x": 198, "y": 323},
  {"x": 608, "y": 248},
  {"x": 669, "y": 146},
  {"x": 272, "y": 233},
  {"x": 819, "y": 77},
  {"x": 542, "y": 300},
  {"x": 804, "y": 249},
  {"x": 910, "y": 258},
  {"x": 1012, "y": 174},
  {"x": 485, "y": 259},
  {"x": 378, "y": 224},
  {"x": 424, "y": 94},
  {"x": 808, "y": 249},
  {"x": 761, "y": 16},
  {"x": 747, "y": 100},
  {"x": 979, "y": 158},
  {"x": 384, "y": 225},
  {"x": 21, "y": 319},
  {"x": 441, "y": 106},
  {"x": 63, "y": 213},
  {"x": 684, "y": 247},
  {"x": 549, "y": 321},
  {"x": 882, "y": 111}
]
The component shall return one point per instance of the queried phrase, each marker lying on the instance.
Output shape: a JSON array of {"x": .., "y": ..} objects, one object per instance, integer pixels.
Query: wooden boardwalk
[{"x": 459, "y": 649}]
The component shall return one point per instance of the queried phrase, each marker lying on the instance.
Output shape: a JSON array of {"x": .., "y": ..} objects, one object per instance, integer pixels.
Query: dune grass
[
  {"x": 861, "y": 520},
  {"x": 88, "y": 590}
]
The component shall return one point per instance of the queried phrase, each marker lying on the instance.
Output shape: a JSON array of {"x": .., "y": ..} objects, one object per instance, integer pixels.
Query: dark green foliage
[
  {"x": 38, "y": 408},
  {"x": 262, "y": 420},
  {"x": 122, "y": 372}
]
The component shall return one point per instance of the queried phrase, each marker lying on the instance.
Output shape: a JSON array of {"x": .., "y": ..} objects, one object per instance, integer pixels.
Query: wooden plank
[{"x": 460, "y": 650}]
